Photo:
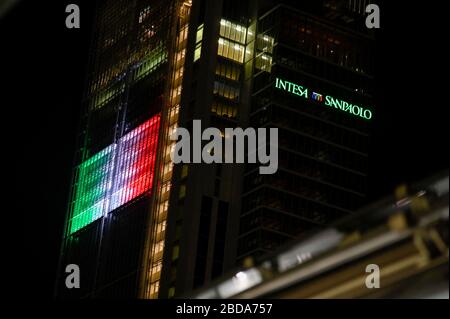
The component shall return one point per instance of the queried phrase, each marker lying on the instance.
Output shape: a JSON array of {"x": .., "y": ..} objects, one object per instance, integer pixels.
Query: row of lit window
[
  {"x": 226, "y": 91},
  {"x": 154, "y": 59},
  {"x": 162, "y": 201},
  {"x": 231, "y": 50},
  {"x": 233, "y": 31},
  {"x": 145, "y": 12},
  {"x": 228, "y": 70},
  {"x": 223, "y": 109},
  {"x": 263, "y": 62},
  {"x": 265, "y": 43},
  {"x": 198, "y": 43}
]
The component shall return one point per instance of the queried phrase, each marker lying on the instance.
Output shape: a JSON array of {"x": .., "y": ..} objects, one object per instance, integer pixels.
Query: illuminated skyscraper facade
[
  {"x": 139, "y": 226},
  {"x": 315, "y": 83},
  {"x": 122, "y": 176}
]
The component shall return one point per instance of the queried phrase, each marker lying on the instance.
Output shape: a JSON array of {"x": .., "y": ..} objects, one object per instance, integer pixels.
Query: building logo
[
  {"x": 317, "y": 97},
  {"x": 292, "y": 88},
  {"x": 329, "y": 100}
]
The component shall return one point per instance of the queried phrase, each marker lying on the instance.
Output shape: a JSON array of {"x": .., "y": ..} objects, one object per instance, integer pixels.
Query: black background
[{"x": 43, "y": 68}]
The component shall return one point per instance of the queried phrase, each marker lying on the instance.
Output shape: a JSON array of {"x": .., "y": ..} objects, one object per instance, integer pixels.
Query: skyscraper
[
  {"x": 139, "y": 226},
  {"x": 312, "y": 80}
]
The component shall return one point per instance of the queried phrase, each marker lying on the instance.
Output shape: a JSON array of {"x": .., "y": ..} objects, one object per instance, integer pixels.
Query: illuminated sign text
[{"x": 328, "y": 100}]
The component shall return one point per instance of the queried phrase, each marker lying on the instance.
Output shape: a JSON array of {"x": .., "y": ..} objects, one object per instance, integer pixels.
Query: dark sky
[
  {"x": 46, "y": 66},
  {"x": 43, "y": 71}
]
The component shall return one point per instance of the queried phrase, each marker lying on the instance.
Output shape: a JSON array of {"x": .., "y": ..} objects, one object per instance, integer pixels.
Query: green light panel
[{"x": 94, "y": 176}]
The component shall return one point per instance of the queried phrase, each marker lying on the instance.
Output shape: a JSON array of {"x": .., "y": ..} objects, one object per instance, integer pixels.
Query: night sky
[{"x": 43, "y": 74}]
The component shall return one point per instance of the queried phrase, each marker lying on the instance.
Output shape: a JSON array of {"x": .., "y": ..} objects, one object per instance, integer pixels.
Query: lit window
[
  {"x": 264, "y": 62},
  {"x": 198, "y": 43},
  {"x": 229, "y": 71},
  {"x": 161, "y": 227},
  {"x": 231, "y": 51},
  {"x": 151, "y": 62},
  {"x": 225, "y": 110},
  {"x": 154, "y": 288},
  {"x": 158, "y": 247},
  {"x": 226, "y": 91},
  {"x": 198, "y": 52},
  {"x": 233, "y": 31},
  {"x": 144, "y": 14},
  {"x": 184, "y": 171},
  {"x": 265, "y": 43},
  {"x": 175, "y": 252},
  {"x": 156, "y": 268},
  {"x": 199, "y": 37},
  {"x": 182, "y": 192}
]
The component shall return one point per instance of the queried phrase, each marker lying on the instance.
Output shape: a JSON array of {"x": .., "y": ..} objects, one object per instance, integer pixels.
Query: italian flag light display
[{"x": 115, "y": 175}]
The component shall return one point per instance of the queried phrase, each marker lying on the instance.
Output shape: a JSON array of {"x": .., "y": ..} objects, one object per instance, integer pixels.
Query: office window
[
  {"x": 233, "y": 31},
  {"x": 182, "y": 193},
  {"x": 229, "y": 71},
  {"x": 198, "y": 43},
  {"x": 154, "y": 288},
  {"x": 156, "y": 269},
  {"x": 264, "y": 62},
  {"x": 265, "y": 43},
  {"x": 226, "y": 91},
  {"x": 225, "y": 109},
  {"x": 107, "y": 95},
  {"x": 144, "y": 13},
  {"x": 184, "y": 171},
  {"x": 197, "y": 52},
  {"x": 151, "y": 62},
  {"x": 199, "y": 36},
  {"x": 171, "y": 292},
  {"x": 175, "y": 252},
  {"x": 264, "y": 51},
  {"x": 230, "y": 50}
]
